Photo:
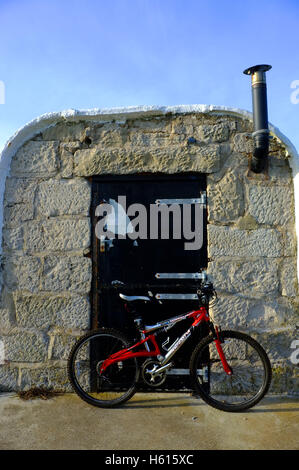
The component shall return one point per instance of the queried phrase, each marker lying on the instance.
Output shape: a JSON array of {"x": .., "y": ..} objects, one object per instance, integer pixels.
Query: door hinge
[
  {"x": 202, "y": 275},
  {"x": 201, "y": 200},
  {"x": 176, "y": 296}
]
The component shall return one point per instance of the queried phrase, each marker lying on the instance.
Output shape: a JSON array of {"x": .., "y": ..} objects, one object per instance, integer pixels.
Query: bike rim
[{"x": 118, "y": 379}]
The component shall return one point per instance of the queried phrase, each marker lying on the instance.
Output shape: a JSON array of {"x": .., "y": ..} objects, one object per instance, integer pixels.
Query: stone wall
[{"x": 46, "y": 270}]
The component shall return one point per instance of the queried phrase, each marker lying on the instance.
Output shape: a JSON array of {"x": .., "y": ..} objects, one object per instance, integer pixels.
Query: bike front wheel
[
  {"x": 111, "y": 388},
  {"x": 251, "y": 372}
]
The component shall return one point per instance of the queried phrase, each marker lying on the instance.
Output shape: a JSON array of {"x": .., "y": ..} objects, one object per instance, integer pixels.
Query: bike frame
[{"x": 199, "y": 316}]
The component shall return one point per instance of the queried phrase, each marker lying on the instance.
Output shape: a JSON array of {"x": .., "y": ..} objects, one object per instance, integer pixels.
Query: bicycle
[{"x": 229, "y": 370}]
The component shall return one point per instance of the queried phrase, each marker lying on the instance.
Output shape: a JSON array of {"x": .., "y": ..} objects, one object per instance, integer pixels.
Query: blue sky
[{"x": 57, "y": 55}]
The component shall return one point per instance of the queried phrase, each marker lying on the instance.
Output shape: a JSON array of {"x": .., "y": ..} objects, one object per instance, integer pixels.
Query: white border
[{"x": 39, "y": 124}]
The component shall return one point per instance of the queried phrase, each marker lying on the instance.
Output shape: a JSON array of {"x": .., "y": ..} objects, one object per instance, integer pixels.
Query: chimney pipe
[{"x": 260, "y": 116}]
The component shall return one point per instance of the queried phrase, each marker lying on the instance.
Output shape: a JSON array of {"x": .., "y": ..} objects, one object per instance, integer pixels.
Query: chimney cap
[{"x": 257, "y": 68}]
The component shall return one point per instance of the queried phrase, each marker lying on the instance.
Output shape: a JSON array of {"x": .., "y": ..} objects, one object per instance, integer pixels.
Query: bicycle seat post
[{"x": 138, "y": 323}]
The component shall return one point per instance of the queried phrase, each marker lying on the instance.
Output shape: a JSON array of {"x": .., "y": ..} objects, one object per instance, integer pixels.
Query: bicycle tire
[
  {"x": 240, "y": 391},
  {"x": 95, "y": 393}
]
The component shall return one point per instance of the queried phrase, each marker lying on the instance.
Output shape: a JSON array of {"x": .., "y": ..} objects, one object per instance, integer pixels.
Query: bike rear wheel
[
  {"x": 251, "y": 372},
  {"x": 111, "y": 388}
]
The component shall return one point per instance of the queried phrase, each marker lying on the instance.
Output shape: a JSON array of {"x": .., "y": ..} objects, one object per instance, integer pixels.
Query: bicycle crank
[{"x": 153, "y": 373}]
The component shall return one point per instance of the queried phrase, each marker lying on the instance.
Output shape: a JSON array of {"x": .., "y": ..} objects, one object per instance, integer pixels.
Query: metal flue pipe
[{"x": 260, "y": 116}]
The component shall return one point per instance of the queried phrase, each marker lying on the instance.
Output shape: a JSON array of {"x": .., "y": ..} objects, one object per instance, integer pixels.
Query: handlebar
[
  {"x": 204, "y": 290},
  {"x": 196, "y": 284},
  {"x": 206, "y": 293}
]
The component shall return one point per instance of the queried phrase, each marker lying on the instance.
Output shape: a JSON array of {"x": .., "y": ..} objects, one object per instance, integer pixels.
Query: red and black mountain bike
[{"x": 229, "y": 370}]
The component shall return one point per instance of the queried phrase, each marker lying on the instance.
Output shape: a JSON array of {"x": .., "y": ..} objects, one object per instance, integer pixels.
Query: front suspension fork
[{"x": 218, "y": 340}]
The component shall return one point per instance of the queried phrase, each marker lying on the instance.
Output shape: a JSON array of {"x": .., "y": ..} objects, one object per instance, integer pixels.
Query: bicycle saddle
[{"x": 131, "y": 298}]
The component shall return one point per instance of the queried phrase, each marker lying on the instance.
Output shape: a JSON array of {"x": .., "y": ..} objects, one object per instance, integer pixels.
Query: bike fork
[{"x": 217, "y": 340}]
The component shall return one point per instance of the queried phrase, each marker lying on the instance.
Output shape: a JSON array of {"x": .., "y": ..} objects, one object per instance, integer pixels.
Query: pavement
[{"x": 149, "y": 421}]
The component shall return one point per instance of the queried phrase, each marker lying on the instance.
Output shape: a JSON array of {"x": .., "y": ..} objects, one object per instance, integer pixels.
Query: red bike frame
[{"x": 198, "y": 316}]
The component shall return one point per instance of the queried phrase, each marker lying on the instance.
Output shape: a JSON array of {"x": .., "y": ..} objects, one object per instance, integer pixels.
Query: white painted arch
[{"x": 44, "y": 121}]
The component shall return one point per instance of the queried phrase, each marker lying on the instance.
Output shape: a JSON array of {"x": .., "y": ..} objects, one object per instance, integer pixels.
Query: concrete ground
[{"x": 152, "y": 421}]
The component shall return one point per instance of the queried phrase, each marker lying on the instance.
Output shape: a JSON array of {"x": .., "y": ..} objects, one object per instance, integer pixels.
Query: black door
[{"x": 138, "y": 262}]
